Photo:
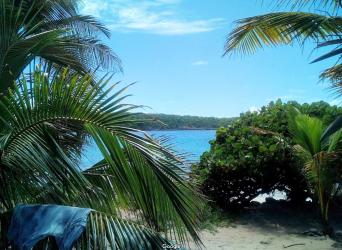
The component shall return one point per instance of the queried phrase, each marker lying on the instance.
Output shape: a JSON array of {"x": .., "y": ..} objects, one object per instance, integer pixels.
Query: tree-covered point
[
  {"x": 254, "y": 155},
  {"x": 167, "y": 122}
]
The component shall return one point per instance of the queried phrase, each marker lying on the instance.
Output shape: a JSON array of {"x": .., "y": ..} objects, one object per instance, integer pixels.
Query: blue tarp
[{"x": 32, "y": 223}]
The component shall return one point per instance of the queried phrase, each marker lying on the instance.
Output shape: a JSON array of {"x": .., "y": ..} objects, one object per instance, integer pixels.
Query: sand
[
  {"x": 248, "y": 238},
  {"x": 273, "y": 226}
]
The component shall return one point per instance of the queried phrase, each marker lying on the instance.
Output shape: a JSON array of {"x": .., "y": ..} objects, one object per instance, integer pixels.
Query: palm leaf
[
  {"x": 334, "y": 75},
  {"x": 108, "y": 232},
  {"x": 307, "y": 132},
  {"x": 311, "y": 4},
  {"x": 137, "y": 173},
  {"x": 54, "y": 32},
  {"x": 280, "y": 28},
  {"x": 284, "y": 28},
  {"x": 332, "y": 128},
  {"x": 332, "y": 53},
  {"x": 154, "y": 175}
]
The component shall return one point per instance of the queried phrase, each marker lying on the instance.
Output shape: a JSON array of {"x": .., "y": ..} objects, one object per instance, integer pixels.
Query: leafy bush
[{"x": 254, "y": 155}]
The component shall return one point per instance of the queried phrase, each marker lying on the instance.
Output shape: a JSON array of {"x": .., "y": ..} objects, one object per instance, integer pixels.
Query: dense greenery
[
  {"x": 163, "y": 121},
  {"x": 51, "y": 104},
  {"x": 321, "y": 22},
  {"x": 254, "y": 155},
  {"x": 322, "y": 160},
  {"x": 39, "y": 163},
  {"x": 47, "y": 115}
]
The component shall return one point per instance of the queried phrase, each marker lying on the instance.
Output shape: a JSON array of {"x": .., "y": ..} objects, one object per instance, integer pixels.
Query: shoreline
[{"x": 180, "y": 129}]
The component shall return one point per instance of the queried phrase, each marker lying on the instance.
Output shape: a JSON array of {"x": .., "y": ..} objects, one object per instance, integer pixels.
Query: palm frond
[
  {"x": 335, "y": 52},
  {"x": 334, "y": 76},
  {"x": 107, "y": 232},
  {"x": 311, "y": 4},
  {"x": 319, "y": 155},
  {"x": 53, "y": 31},
  {"x": 280, "y": 28},
  {"x": 137, "y": 173},
  {"x": 77, "y": 24},
  {"x": 335, "y": 139},
  {"x": 335, "y": 126},
  {"x": 307, "y": 132}
]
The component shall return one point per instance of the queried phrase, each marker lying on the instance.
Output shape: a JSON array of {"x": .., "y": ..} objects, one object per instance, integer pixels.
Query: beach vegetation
[
  {"x": 318, "y": 21},
  {"x": 254, "y": 155},
  {"x": 322, "y": 165}
]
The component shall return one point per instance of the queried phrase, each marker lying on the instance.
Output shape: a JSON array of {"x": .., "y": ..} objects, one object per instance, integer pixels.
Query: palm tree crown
[
  {"x": 40, "y": 121},
  {"x": 53, "y": 32},
  {"x": 320, "y": 156}
]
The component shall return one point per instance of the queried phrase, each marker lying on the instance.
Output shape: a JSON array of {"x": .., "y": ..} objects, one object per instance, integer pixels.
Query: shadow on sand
[{"x": 283, "y": 217}]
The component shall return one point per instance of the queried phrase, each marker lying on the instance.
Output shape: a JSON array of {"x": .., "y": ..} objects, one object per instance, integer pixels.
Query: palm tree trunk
[{"x": 327, "y": 229}]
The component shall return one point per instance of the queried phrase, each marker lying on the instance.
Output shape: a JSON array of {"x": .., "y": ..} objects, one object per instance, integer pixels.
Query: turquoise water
[{"x": 192, "y": 142}]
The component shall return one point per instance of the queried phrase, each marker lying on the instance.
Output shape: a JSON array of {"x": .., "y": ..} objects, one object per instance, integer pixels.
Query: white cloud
[
  {"x": 286, "y": 98},
  {"x": 154, "y": 16},
  {"x": 292, "y": 94},
  {"x": 93, "y": 8},
  {"x": 254, "y": 109},
  {"x": 335, "y": 102},
  {"x": 200, "y": 63}
]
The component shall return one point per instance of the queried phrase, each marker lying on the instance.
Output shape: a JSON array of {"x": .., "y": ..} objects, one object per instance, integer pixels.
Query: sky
[{"x": 173, "y": 50}]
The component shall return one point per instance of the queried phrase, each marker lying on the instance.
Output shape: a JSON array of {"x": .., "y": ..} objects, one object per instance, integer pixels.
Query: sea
[{"x": 192, "y": 143}]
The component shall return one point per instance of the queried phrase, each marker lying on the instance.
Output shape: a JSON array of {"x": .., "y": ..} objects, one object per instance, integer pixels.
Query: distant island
[{"x": 179, "y": 122}]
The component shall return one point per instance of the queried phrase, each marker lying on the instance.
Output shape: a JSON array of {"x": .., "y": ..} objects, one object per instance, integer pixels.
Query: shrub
[{"x": 253, "y": 156}]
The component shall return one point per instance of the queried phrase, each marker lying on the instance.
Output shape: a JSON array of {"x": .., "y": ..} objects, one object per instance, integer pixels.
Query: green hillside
[{"x": 166, "y": 122}]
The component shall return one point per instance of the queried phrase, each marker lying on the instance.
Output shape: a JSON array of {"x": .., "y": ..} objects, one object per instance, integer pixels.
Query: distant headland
[{"x": 179, "y": 122}]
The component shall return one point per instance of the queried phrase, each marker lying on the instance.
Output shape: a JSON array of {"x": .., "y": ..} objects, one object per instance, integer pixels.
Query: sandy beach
[
  {"x": 271, "y": 227},
  {"x": 247, "y": 238}
]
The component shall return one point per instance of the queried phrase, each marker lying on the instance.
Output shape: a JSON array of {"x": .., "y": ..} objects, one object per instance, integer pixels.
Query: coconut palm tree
[
  {"x": 320, "y": 157},
  {"x": 40, "y": 122},
  {"x": 40, "y": 31}
]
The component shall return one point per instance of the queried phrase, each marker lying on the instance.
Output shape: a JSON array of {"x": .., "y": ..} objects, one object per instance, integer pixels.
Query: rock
[
  {"x": 254, "y": 204},
  {"x": 265, "y": 242},
  {"x": 337, "y": 245},
  {"x": 313, "y": 232}
]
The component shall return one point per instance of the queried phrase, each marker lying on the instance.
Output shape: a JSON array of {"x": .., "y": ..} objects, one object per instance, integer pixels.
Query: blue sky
[{"x": 173, "y": 50}]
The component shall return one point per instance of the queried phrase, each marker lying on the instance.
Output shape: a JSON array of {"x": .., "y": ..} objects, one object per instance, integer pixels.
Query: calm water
[{"x": 192, "y": 142}]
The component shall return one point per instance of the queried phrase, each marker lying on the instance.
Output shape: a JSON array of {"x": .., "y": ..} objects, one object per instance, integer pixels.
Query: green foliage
[
  {"x": 53, "y": 32},
  {"x": 214, "y": 217},
  {"x": 321, "y": 166},
  {"x": 40, "y": 121},
  {"x": 323, "y": 26},
  {"x": 163, "y": 121},
  {"x": 333, "y": 127},
  {"x": 254, "y": 155}
]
